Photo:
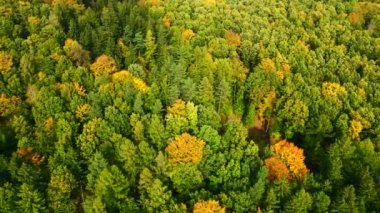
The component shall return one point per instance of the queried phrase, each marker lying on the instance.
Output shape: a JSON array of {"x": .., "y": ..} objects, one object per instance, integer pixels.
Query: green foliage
[{"x": 152, "y": 106}]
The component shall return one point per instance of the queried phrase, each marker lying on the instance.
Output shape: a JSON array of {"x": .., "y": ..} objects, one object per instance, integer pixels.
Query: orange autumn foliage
[
  {"x": 232, "y": 38},
  {"x": 166, "y": 21},
  {"x": 293, "y": 157},
  {"x": 355, "y": 18},
  {"x": 103, "y": 65},
  {"x": 209, "y": 206},
  {"x": 185, "y": 149},
  {"x": 188, "y": 34},
  {"x": 27, "y": 153},
  {"x": 276, "y": 169}
]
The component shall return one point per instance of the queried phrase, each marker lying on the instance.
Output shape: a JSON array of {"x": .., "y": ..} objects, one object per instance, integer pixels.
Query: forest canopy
[{"x": 189, "y": 106}]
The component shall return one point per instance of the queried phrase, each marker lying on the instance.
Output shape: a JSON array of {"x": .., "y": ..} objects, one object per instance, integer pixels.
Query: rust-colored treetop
[
  {"x": 276, "y": 169},
  {"x": 103, "y": 65},
  {"x": 232, "y": 38},
  {"x": 209, "y": 206},
  {"x": 185, "y": 148}
]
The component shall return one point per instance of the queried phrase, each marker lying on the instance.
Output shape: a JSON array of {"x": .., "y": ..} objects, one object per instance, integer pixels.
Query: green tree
[
  {"x": 300, "y": 202},
  {"x": 30, "y": 200}
]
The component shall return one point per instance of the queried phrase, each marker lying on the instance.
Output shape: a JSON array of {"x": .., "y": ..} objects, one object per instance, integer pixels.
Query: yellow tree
[
  {"x": 82, "y": 110},
  {"x": 5, "y": 62},
  {"x": 356, "y": 127},
  {"x": 332, "y": 89},
  {"x": 209, "y": 206},
  {"x": 8, "y": 105},
  {"x": 166, "y": 21},
  {"x": 178, "y": 108},
  {"x": 267, "y": 65},
  {"x": 68, "y": 2},
  {"x": 188, "y": 34},
  {"x": 185, "y": 149},
  {"x": 232, "y": 38},
  {"x": 103, "y": 65},
  {"x": 293, "y": 157},
  {"x": 79, "y": 89},
  {"x": 267, "y": 103}
]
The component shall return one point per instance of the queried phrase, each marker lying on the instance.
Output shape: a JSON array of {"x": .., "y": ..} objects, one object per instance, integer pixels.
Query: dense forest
[{"x": 189, "y": 106}]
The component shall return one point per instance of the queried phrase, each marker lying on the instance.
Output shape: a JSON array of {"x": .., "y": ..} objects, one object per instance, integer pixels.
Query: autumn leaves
[{"x": 287, "y": 162}]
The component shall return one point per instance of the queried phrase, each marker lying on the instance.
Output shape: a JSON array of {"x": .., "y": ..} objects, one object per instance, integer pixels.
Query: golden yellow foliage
[
  {"x": 285, "y": 68},
  {"x": 232, "y": 38},
  {"x": 178, "y": 108},
  {"x": 68, "y": 2},
  {"x": 69, "y": 43},
  {"x": 8, "y": 105},
  {"x": 33, "y": 39},
  {"x": 124, "y": 76},
  {"x": 267, "y": 65},
  {"x": 258, "y": 210},
  {"x": 5, "y": 11},
  {"x": 41, "y": 75},
  {"x": 123, "y": 48},
  {"x": 332, "y": 89},
  {"x": 356, "y": 127},
  {"x": 361, "y": 117},
  {"x": 82, "y": 110},
  {"x": 55, "y": 57},
  {"x": 166, "y": 21},
  {"x": 185, "y": 149},
  {"x": 209, "y": 2},
  {"x": 103, "y": 65},
  {"x": 293, "y": 158},
  {"x": 107, "y": 87},
  {"x": 140, "y": 85},
  {"x": 267, "y": 103},
  {"x": 33, "y": 20},
  {"x": 121, "y": 76},
  {"x": 303, "y": 46},
  {"x": 155, "y": 3},
  {"x": 79, "y": 89},
  {"x": 276, "y": 169},
  {"x": 61, "y": 183},
  {"x": 5, "y": 62},
  {"x": 183, "y": 207},
  {"x": 188, "y": 34},
  {"x": 209, "y": 206},
  {"x": 48, "y": 123}
]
